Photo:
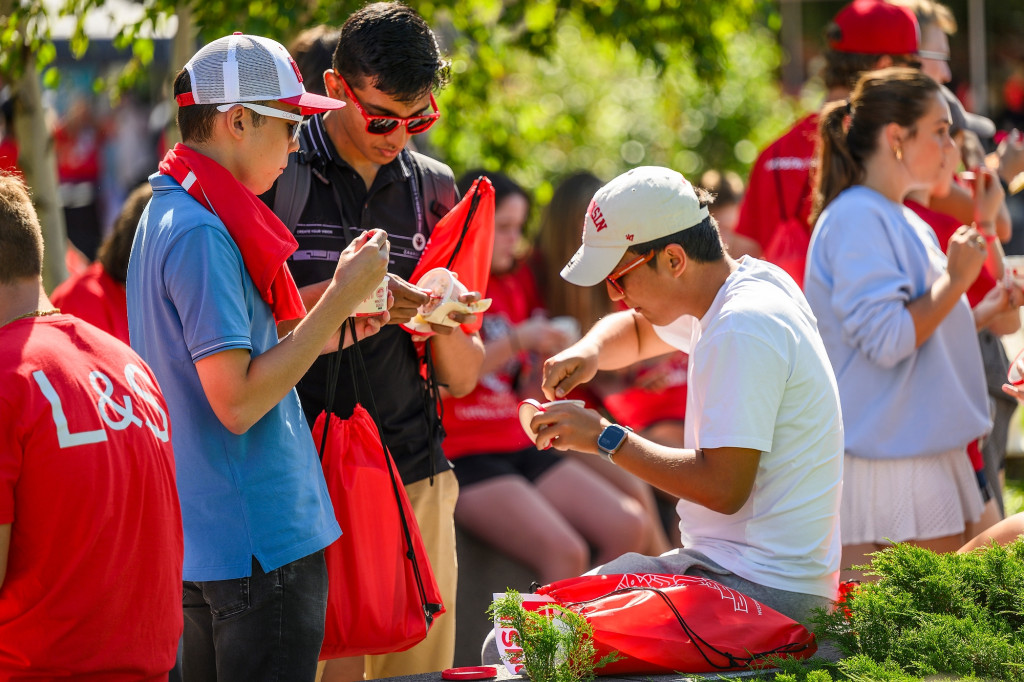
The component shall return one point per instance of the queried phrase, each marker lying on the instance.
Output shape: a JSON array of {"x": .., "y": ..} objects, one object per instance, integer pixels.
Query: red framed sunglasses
[
  {"x": 384, "y": 125},
  {"x": 616, "y": 275}
]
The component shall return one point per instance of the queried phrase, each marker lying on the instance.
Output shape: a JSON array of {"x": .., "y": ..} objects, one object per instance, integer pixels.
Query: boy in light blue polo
[{"x": 208, "y": 294}]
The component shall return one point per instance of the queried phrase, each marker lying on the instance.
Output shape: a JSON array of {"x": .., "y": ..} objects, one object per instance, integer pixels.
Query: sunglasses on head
[
  {"x": 616, "y": 275},
  {"x": 384, "y": 125},
  {"x": 293, "y": 127}
]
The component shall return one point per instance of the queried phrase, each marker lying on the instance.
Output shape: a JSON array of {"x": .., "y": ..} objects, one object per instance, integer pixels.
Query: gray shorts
[{"x": 800, "y": 607}]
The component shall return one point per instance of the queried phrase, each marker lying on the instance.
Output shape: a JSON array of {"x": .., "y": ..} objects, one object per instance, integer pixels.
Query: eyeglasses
[
  {"x": 930, "y": 54},
  {"x": 383, "y": 125},
  {"x": 614, "y": 278},
  {"x": 293, "y": 128}
]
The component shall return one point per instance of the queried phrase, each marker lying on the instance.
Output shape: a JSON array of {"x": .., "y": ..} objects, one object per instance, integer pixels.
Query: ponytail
[{"x": 837, "y": 168}]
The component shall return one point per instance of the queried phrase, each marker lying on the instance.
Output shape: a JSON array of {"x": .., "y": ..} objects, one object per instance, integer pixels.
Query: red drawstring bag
[
  {"x": 463, "y": 242},
  {"x": 792, "y": 236},
  {"x": 382, "y": 595},
  {"x": 678, "y": 623}
]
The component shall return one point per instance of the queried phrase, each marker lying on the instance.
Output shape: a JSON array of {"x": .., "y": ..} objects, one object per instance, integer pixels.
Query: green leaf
[
  {"x": 143, "y": 49},
  {"x": 46, "y": 53},
  {"x": 51, "y": 78}
]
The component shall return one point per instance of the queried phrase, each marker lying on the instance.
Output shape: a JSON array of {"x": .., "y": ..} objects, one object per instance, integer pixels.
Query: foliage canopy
[{"x": 541, "y": 87}]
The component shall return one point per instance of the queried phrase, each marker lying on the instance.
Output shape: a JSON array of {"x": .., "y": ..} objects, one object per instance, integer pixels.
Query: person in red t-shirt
[
  {"x": 97, "y": 294},
  {"x": 78, "y": 144},
  {"x": 91, "y": 543},
  {"x": 864, "y": 35},
  {"x": 541, "y": 509}
]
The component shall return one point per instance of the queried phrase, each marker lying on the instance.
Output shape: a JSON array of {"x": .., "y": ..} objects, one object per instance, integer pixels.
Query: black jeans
[{"x": 266, "y": 627}]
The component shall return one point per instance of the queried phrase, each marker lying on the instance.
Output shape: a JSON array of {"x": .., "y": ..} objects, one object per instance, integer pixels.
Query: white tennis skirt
[{"x": 913, "y": 498}]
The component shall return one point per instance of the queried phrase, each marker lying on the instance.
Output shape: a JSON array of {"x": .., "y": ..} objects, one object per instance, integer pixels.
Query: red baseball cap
[{"x": 875, "y": 27}]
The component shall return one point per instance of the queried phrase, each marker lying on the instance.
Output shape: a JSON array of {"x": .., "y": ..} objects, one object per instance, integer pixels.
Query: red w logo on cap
[
  {"x": 295, "y": 68},
  {"x": 596, "y": 216}
]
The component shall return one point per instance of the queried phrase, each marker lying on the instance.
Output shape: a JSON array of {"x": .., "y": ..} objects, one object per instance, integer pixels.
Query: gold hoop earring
[{"x": 898, "y": 151}]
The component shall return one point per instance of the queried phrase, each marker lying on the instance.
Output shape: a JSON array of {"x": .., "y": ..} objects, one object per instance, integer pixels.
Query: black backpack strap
[
  {"x": 439, "y": 194},
  {"x": 293, "y": 186}
]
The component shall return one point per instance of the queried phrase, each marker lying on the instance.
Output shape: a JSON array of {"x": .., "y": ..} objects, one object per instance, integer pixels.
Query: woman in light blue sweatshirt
[{"x": 895, "y": 322}]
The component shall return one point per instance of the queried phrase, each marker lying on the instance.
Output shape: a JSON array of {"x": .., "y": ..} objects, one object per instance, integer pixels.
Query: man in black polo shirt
[{"x": 385, "y": 68}]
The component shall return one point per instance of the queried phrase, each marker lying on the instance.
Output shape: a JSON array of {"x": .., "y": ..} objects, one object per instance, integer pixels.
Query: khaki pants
[{"x": 434, "y": 507}]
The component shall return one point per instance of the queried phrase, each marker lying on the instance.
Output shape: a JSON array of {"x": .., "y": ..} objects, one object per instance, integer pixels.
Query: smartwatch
[{"x": 611, "y": 439}]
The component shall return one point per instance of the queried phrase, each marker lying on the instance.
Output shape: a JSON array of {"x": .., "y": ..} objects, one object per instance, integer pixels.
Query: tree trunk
[
  {"x": 182, "y": 49},
  {"x": 38, "y": 161}
]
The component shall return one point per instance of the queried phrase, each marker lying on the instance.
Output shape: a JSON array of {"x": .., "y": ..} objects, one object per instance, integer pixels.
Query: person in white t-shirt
[{"x": 760, "y": 476}]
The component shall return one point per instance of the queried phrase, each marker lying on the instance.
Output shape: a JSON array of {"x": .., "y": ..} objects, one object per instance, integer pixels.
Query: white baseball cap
[
  {"x": 246, "y": 68},
  {"x": 639, "y": 206}
]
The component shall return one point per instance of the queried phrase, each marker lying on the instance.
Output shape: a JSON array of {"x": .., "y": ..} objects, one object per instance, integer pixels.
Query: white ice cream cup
[{"x": 376, "y": 303}]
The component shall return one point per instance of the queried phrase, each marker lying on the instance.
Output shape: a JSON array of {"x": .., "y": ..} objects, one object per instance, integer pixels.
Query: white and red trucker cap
[
  {"x": 246, "y": 68},
  {"x": 641, "y": 205}
]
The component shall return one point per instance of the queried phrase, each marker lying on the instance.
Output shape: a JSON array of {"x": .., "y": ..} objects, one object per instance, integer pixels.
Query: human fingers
[
  {"x": 561, "y": 375},
  {"x": 1014, "y": 391},
  {"x": 462, "y": 317},
  {"x": 371, "y": 325},
  {"x": 404, "y": 292},
  {"x": 567, "y": 427}
]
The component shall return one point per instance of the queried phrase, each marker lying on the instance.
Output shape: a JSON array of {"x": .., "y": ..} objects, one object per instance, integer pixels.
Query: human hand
[
  {"x": 1010, "y": 153},
  {"x": 988, "y": 197},
  {"x": 565, "y": 371},
  {"x": 658, "y": 377},
  {"x": 408, "y": 299},
  {"x": 539, "y": 335},
  {"x": 565, "y": 426},
  {"x": 1014, "y": 391},
  {"x": 457, "y": 316},
  {"x": 965, "y": 256},
  {"x": 363, "y": 264},
  {"x": 368, "y": 325}
]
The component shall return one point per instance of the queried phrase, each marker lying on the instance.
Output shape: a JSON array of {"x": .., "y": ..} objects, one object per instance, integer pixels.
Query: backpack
[{"x": 434, "y": 179}]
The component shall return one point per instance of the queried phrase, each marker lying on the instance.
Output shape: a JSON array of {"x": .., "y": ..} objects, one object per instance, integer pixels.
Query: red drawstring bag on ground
[
  {"x": 463, "y": 242},
  {"x": 678, "y": 623},
  {"x": 382, "y": 595}
]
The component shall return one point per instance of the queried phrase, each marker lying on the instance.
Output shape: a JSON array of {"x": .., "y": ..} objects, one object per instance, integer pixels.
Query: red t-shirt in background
[
  {"x": 93, "y": 585},
  {"x": 776, "y": 205},
  {"x": 9, "y": 155},
  {"x": 487, "y": 420},
  {"x": 95, "y": 297},
  {"x": 780, "y": 173}
]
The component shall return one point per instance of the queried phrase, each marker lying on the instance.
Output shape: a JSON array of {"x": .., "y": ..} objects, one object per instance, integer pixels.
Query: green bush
[
  {"x": 928, "y": 613},
  {"x": 557, "y": 644},
  {"x": 960, "y": 616}
]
